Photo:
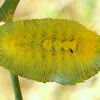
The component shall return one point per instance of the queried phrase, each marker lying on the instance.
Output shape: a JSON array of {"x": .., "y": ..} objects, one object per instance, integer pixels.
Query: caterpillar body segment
[{"x": 45, "y": 50}]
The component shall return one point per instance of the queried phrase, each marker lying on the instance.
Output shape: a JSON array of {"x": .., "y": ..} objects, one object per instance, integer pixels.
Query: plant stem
[
  {"x": 7, "y": 10},
  {"x": 16, "y": 87}
]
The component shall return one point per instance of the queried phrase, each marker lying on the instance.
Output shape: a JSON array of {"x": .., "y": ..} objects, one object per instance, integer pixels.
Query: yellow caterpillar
[{"x": 45, "y": 50}]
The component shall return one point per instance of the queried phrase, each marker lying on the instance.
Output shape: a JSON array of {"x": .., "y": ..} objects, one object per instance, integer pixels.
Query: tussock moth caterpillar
[{"x": 48, "y": 49}]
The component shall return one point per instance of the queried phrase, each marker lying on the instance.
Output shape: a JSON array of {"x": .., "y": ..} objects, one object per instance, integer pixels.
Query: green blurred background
[{"x": 85, "y": 11}]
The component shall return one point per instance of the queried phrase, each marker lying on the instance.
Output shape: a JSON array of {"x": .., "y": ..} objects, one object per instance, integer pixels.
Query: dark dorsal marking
[{"x": 71, "y": 50}]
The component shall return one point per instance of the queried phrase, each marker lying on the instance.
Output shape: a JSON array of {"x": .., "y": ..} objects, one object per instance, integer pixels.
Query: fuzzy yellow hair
[{"x": 58, "y": 50}]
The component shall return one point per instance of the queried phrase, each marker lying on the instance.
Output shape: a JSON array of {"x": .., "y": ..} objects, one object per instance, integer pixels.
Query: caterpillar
[{"x": 48, "y": 49}]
